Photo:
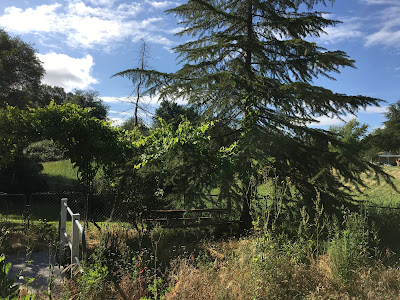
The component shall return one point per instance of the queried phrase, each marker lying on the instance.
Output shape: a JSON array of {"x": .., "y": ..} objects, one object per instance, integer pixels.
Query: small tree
[{"x": 88, "y": 142}]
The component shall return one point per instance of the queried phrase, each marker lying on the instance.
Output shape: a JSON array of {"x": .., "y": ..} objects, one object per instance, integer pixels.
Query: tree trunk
[
  {"x": 245, "y": 217},
  {"x": 246, "y": 222}
]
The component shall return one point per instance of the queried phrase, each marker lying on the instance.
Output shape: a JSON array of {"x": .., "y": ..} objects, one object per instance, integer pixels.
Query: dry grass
[{"x": 239, "y": 272}]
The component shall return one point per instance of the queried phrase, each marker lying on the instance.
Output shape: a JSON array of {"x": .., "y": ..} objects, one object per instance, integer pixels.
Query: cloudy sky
[{"x": 83, "y": 42}]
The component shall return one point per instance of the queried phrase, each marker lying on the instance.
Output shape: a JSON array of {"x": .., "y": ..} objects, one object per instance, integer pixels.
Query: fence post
[
  {"x": 63, "y": 226},
  {"x": 75, "y": 238}
]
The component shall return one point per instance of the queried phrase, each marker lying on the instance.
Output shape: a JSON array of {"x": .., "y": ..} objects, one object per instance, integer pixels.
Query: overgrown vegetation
[{"x": 308, "y": 202}]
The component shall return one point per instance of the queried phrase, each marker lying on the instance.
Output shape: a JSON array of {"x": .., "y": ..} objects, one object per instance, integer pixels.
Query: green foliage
[
  {"x": 15, "y": 134},
  {"x": 155, "y": 290},
  {"x": 48, "y": 93},
  {"x": 351, "y": 133},
  {"x": 44, "y": 151},
  {"x": 172, "y": 114},
  {"x": 88, "y": 99},
  {"x": 91, "y": 282},
  {"x": 391, "y": 133},
  {"x": 388, "y": 138},
  {"x": 130, "y": 125},
  {"x": 20, "y": 72},
  {"x": 46, "y": 232},
  {"x": 173, "y": 163},
  {"x": 62, "y": 170},
  {"x": 349, "y": 247},
  {"x": 249, "y": 65},
  {"x": 7, "y": 287},
  {"x": 87, "y": 141}
]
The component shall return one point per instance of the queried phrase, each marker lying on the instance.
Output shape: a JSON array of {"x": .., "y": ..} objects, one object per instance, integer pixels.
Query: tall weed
[{"x": 349, "y": 248}]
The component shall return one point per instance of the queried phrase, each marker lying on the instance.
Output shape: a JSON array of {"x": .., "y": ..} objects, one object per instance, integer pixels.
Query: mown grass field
[
  {"x": 379, "y": 192},
  {"x": 60, "y": 172}
]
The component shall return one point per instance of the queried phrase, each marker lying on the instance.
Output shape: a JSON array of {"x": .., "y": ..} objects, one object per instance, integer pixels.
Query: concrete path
[{"x": 41, "y": 266}]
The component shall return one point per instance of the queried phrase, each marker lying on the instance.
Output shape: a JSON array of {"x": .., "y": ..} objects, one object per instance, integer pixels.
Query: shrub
[{"x": 44, "y": 151}]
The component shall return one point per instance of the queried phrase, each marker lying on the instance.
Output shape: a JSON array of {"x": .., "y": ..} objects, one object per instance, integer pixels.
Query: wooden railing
[{"x": 77, "y": 234}]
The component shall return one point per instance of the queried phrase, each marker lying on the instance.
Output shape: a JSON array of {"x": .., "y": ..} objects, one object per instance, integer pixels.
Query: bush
[{"x": 44, "y": 151}]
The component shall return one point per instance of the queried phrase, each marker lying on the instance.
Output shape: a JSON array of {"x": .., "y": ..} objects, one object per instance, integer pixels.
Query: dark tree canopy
[
  {"x": 172, "y": 113},
  {"x": 132, "y": 123},
  {"x": 20, "y": 72},
  {"x": 48, "y": 93},
  {"x": 388, "y": 137},
  {"x": 391, "y": 133},
  {"x": 89, "y": 99}
]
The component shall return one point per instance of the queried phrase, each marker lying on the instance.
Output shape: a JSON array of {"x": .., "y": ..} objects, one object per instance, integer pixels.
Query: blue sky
[{"x": 83, "y": 42}]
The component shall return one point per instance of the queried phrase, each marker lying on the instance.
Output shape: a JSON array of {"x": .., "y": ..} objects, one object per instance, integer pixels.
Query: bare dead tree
[{"x": 142, "y": 59}]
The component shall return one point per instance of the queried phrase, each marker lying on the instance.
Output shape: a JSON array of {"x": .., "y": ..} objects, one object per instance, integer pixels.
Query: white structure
[{"x": 77, "y": 229}]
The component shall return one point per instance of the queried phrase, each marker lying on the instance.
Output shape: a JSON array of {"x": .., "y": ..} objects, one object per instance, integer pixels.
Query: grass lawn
[
  {"x": 380, "y": 192},
  {"x": 60, "y": 171}
]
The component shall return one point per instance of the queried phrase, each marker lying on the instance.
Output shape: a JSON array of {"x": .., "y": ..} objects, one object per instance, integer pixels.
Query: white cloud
[
  {"x": 329, "y": 121},
  {"x": 102, "y": 2},
  {"x": 341, "y": 32},
  {"x": 115, "y": 99},
  {"x": 162, "y": 4},
  {"x": 350, "y": 29},
  {"x": 146, "y": 100},
  {"x": 67, "y": 72},
  {"x": 371, "y": 2},
  {"x": 384, "y": 37},
  {"x": 375, "y": 110},
  {"x": 43, "y": 19},
  {"x": 174, "y": 30},
  {"x": 388, "y": 22},
  {"x": 88, "y": 24},
  {"x": 114, "y": 112}
]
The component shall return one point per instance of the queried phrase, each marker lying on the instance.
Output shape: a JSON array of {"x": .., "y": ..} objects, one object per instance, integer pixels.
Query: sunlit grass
[
  {"x": 62, "y": 169},
  {"x": 380, "y": 192}
]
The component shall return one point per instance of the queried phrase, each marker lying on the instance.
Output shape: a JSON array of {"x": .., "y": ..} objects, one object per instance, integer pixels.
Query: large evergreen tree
[{"x": 250, "y": 63}]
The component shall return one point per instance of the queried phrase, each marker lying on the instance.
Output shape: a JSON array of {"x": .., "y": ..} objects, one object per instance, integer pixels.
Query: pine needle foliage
[{"x": 251, "y": 64}]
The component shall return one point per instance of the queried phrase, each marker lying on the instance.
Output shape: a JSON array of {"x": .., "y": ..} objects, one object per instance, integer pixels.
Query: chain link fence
[
  {"x": 13, "y": 205},
  {"x": 103, "y": 208}
]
